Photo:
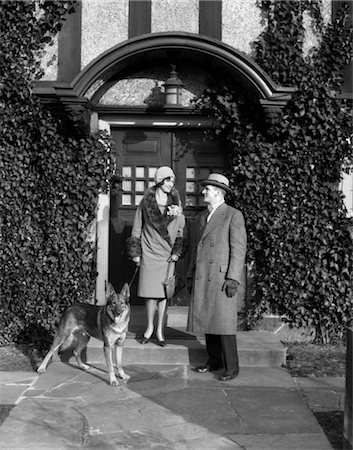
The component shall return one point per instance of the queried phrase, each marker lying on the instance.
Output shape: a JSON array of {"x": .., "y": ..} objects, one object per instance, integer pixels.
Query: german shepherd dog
[{"x": 109, "y": 323}]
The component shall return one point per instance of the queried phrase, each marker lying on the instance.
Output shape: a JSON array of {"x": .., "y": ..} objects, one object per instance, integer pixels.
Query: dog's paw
[
  {"x": 41, "y": 370},
  {"x": 124, "y": 376},
  {"x": 114, "y": 383},
  {"x": 83, "y": 366}
]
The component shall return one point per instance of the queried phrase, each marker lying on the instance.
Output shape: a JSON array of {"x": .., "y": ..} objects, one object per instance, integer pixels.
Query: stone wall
[
  {"x": 104, "y": 25},
  {"x": 145, "y": 88}
]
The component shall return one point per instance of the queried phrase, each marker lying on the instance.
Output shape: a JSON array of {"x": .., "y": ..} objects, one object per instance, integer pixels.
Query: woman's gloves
[
  {"x": 136, "y": 260},
  {"x": 173, "y": 258}
]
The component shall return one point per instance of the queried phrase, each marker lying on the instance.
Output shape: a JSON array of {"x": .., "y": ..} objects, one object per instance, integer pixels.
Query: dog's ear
[
  {"x": 109, "y": 291},
  {"x": 125, "y": 291}
]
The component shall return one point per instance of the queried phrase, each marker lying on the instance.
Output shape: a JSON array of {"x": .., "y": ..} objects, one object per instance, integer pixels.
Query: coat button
[
  {"x": 211, "y": 261},
  {"x": 209, "y": 278},
  {"x": 212, "y": 244}
]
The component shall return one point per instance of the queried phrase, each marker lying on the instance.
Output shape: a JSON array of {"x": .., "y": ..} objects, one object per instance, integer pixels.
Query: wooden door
[{"x": 191, "y": 153}]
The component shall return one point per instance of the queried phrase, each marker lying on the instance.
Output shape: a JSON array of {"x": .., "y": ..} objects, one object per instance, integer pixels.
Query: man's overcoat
[{"x": 218, "y": 252}]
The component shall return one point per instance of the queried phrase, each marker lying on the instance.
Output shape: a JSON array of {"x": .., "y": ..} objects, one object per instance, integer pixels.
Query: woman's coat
[
  {"x": 155, "y": 252},
  {"x": 219, "y": 249}
]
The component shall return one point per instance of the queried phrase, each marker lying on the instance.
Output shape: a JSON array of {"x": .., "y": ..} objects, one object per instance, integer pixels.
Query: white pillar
[
  {"x": 103, "y": 215},
  {"x": 102, "y": 246}
]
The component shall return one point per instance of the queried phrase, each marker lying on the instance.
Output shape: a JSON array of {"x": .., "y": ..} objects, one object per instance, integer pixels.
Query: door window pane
[
  {"x": 127, "y": 171},
  {"x": 126, "y": 200},
  {"x": 138, "y": 199},
  {"x": 140, "y": 172},
  {"x": 190, "y": 172},
  {"x": 127, "y": 185},
  {"x": 190, "y": 186},
  {"x": 140, "y": 186},
  {"x": 151, "y": 172},
  {"x": 191, "y": 200}
]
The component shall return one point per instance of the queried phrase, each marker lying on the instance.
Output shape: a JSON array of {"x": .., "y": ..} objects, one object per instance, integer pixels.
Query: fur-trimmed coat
[
  {"x": 155, "y": 237},
  {"x": 218, "y": 252}
]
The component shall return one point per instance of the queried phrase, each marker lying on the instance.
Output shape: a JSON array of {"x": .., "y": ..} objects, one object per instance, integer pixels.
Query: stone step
[
  {"x": 176, "y": 316},
  {"x": 255, "y": 349}
]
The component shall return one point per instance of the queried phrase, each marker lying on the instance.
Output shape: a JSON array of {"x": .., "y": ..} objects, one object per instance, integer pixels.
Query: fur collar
[{"x": 152, "y": 215}]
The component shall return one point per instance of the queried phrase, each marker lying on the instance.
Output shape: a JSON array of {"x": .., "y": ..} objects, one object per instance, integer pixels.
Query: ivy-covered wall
[
  {"x": 287, "y": 175},
  {"x": 49, "y": 181}
]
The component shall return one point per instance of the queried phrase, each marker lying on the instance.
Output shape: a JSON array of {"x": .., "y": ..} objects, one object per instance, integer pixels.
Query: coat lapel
[
  {"x": 201, "y": 225},
  {"x": 217, "y": 217}
]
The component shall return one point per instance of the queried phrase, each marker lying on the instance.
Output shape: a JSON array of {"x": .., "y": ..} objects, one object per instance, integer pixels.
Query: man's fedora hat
[{"x": 218, "y": 180}]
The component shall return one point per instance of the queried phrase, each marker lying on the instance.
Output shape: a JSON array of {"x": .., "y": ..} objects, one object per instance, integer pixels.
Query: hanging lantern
[{"x": 173, "y": 87}]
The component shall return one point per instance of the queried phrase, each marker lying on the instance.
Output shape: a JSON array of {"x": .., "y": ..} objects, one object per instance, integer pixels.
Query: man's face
[{"x": 210, "y": 194}]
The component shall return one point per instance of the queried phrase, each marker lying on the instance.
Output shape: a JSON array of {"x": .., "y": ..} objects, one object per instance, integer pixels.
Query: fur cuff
[
  {"x": 178, "y": 247},
  {"x": 133, "y": 247}
]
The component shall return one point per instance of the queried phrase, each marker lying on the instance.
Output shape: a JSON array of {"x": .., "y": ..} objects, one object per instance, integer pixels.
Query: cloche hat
[
  {"x": 218, "y": 180},
  {"x": 162, "y": 173}
]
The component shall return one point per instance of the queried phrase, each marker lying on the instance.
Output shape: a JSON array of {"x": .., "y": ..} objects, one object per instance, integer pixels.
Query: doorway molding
[
  {"x": 143, "y": 50},
  {"x": 84, "y": 92}
]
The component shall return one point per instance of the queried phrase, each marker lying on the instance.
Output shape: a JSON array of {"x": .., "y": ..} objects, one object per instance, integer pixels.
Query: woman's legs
[
  {"x": 150, "y": 309},
  {"x": 161, "y": 316}
]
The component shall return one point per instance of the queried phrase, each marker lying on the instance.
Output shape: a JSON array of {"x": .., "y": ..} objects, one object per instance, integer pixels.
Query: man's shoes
[
  {"x": 228, "y": 375},
  {"x": 207, "y": 368}
]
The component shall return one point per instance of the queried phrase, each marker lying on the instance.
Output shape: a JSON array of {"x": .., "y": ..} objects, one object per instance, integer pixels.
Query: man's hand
[{"x": 230, "y": 286}]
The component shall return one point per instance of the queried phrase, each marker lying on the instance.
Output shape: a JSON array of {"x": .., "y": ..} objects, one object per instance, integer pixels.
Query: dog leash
[{"x": 134, "y": 275}]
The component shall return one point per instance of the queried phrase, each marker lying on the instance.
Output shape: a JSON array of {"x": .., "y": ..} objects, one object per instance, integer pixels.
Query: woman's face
[{"x": 168, "y": 184}]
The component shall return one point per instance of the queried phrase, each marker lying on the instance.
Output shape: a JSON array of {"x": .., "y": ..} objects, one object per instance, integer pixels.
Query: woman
[{"x": 156, "y": 242}]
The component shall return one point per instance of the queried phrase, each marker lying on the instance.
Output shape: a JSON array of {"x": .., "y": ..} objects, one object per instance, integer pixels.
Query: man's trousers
[{"x": 222, "y": 351}]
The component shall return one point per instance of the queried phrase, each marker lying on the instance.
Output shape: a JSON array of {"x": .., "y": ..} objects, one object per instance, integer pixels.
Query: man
[{"x": 216, "y": 265}]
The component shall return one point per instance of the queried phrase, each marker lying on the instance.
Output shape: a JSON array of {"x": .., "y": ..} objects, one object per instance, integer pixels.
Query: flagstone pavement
[{"x": 165, "y": 407}]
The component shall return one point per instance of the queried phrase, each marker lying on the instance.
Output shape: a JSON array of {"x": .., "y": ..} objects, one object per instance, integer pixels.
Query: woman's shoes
[
  {"x": 145, "y": 339},
  {"x": 161, "y": 342}
]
